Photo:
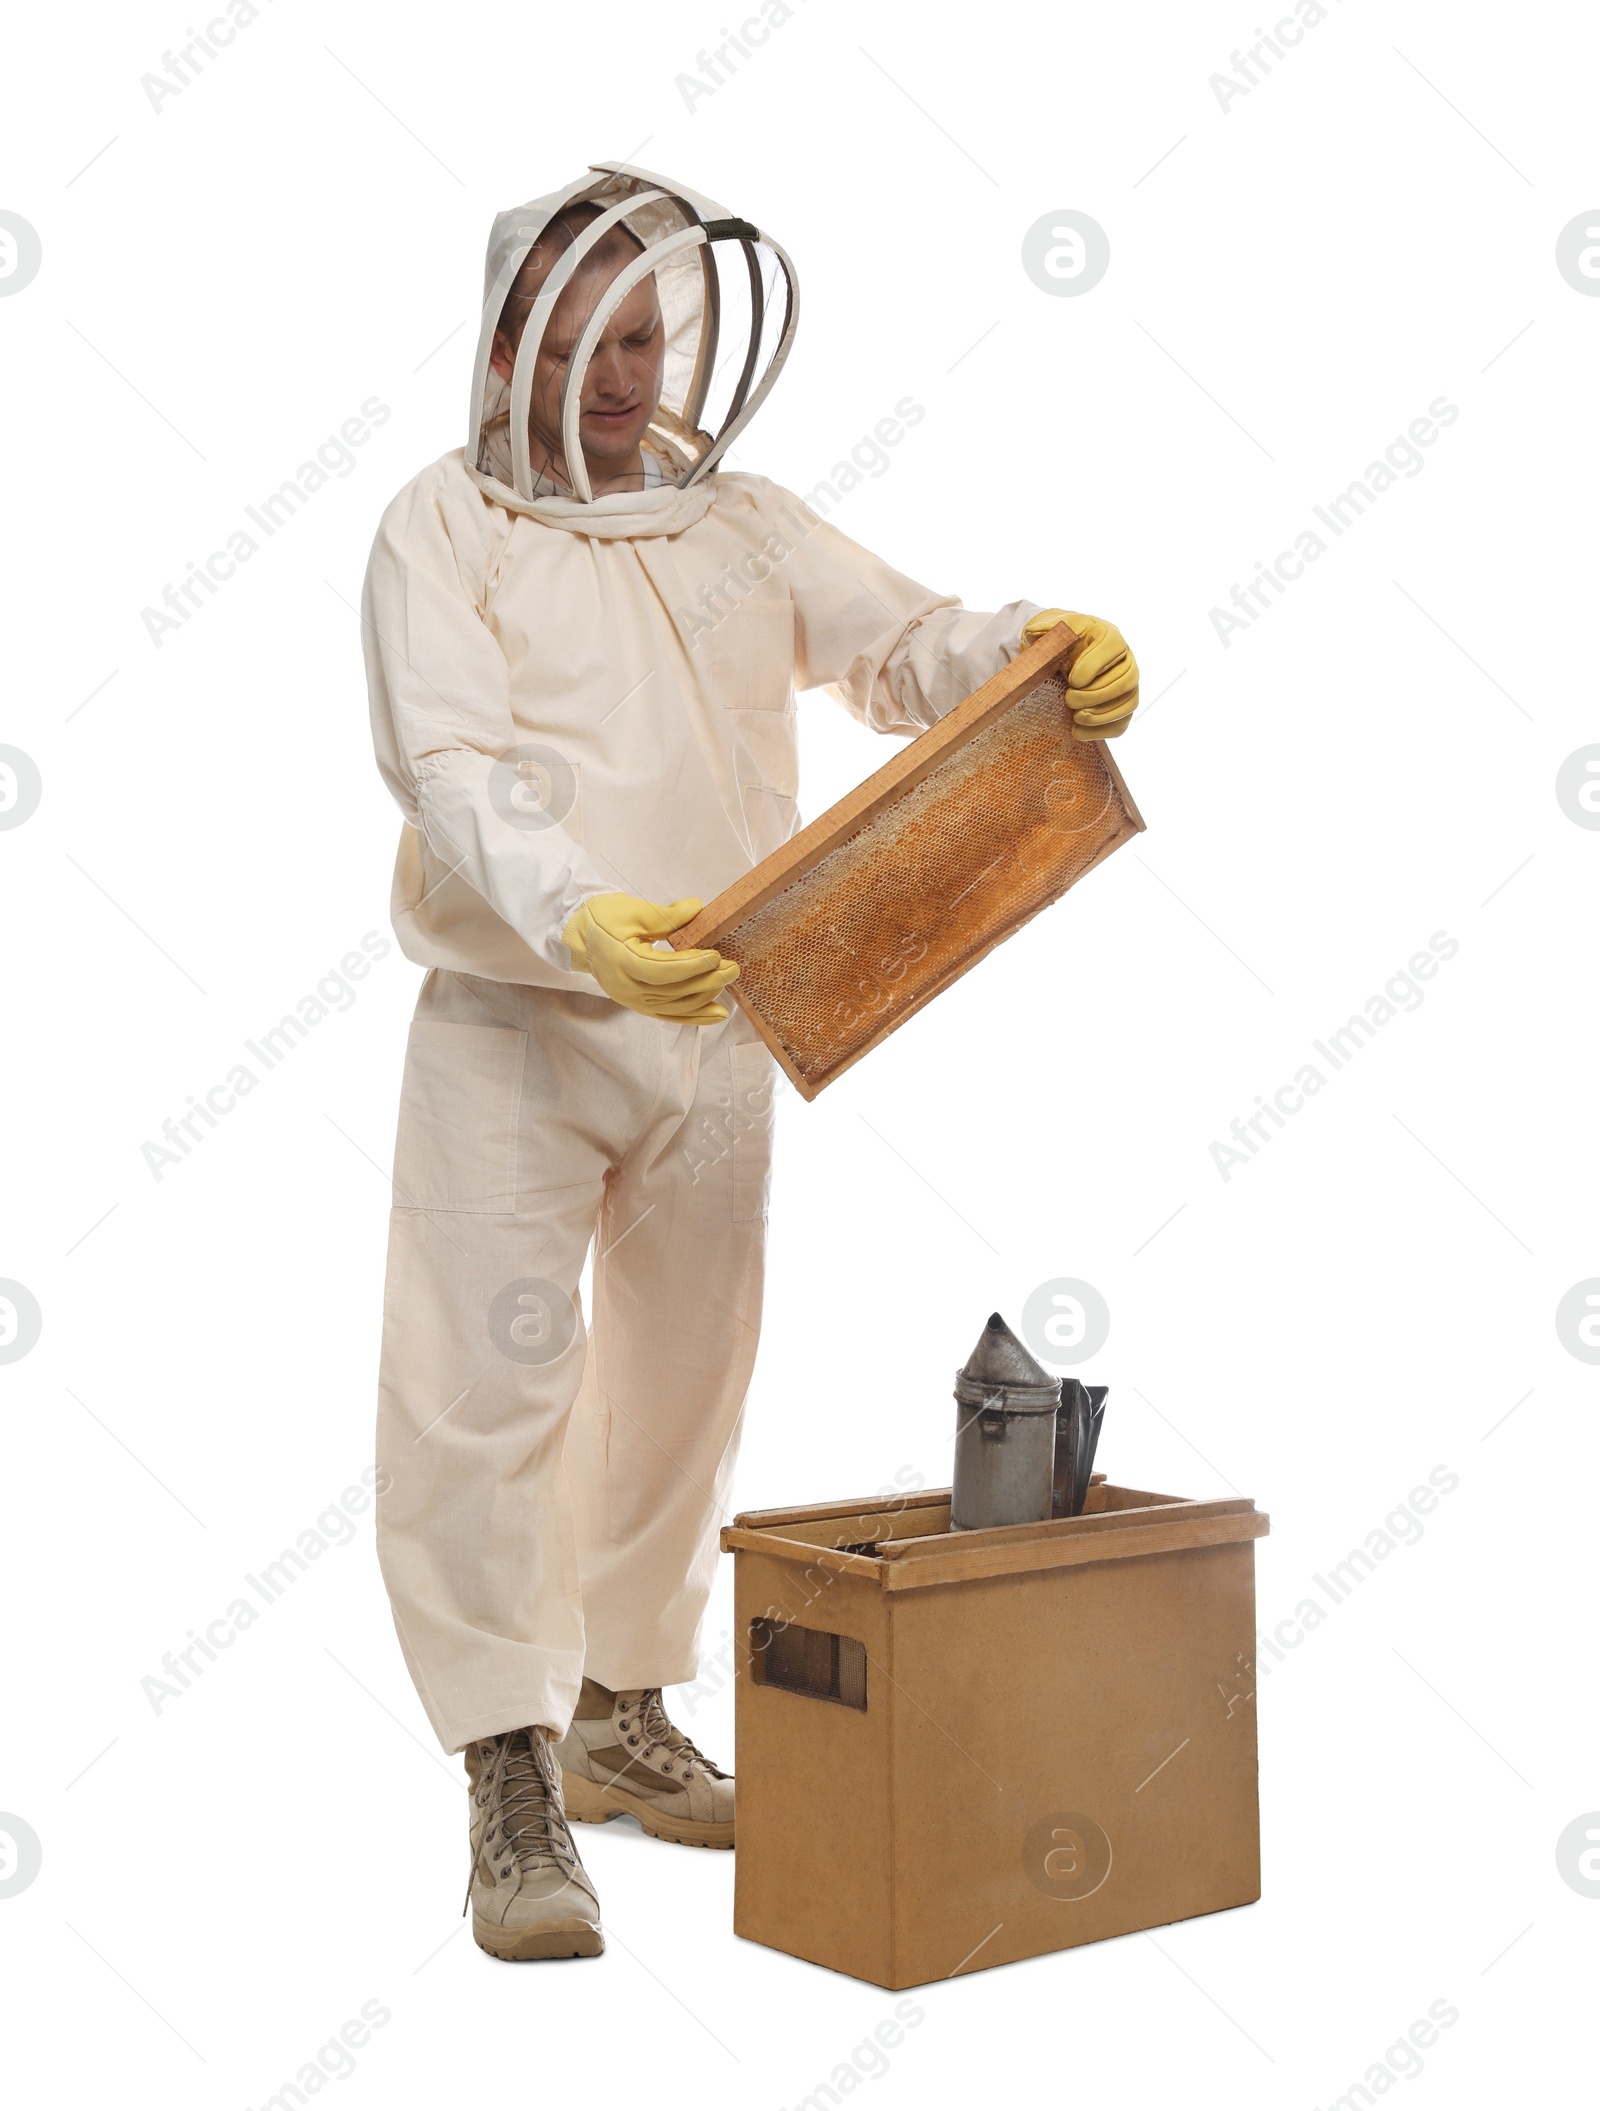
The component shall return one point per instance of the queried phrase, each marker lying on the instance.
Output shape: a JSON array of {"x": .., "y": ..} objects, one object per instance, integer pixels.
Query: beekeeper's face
[{"x": 621, "y": 385}]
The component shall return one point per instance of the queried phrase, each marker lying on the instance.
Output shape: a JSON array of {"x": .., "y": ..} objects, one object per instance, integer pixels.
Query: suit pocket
[
  {"x": 752, "y": 666},
  {"x": 457, "y": 1143}
]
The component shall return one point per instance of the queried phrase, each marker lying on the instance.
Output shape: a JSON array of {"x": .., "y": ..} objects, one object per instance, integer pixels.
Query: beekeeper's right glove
[
  {"x": 611, "y": 938},
  {"x": 1102, "y": 682}
]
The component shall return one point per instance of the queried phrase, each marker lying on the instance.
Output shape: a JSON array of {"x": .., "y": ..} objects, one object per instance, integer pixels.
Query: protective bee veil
[{"x": 728, "y": 305}]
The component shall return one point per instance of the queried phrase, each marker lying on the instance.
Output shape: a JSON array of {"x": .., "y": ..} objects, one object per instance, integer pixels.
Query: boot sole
[
  {"x": 589, "y": 1803},
  {"x": 525, "y": 1945}
]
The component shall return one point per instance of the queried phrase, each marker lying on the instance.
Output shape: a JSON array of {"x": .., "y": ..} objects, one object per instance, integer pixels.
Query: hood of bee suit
[{"x": 729, "y": 303}]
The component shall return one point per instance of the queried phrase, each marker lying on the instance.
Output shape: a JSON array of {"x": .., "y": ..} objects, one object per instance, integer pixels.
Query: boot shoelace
[
  {"x": 525, "y": 1821},
  {"x": 659, "y": 1727}
]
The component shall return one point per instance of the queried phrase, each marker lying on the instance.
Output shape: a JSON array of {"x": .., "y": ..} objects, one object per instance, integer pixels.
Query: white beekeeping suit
[{"x": 575, "y": 696}]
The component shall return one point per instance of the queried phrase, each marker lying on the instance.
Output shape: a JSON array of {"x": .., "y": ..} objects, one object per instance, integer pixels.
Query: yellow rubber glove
[
  {"x": 1102, "y": 682},
  {"x": 610, "y": 937}
]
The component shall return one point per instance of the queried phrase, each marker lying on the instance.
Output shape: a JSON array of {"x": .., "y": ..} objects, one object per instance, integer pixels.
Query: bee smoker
[{"x": 1005, "y": 1434}]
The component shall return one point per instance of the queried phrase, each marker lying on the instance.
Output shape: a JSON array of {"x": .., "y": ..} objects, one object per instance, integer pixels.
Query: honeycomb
[{"x": 897, "y": 911}]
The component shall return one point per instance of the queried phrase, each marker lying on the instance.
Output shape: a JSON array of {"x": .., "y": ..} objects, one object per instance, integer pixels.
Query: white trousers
[{"x": 553, "y": 1495}]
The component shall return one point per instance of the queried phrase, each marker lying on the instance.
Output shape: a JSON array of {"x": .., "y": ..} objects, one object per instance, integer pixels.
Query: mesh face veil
[{"x": 729, "y": 304}]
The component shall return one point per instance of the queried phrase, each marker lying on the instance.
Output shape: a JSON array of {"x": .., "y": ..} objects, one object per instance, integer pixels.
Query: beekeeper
[{"x": 583, "y": 639}]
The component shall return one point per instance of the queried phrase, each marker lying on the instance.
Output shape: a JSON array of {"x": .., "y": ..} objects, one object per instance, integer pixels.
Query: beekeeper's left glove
[
  {"x": 1102, "y": 682},
  {"x": 612, "y": 937}
]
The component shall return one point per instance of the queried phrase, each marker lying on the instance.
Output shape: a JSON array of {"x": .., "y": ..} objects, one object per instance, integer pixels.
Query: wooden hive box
[
  {"x": 886, "y": 899},
  {"x": 960, "y": 1749}
]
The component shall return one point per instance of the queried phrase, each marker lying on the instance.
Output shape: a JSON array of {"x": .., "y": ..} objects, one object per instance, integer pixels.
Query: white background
[{"x": 1372, "y": 1295}]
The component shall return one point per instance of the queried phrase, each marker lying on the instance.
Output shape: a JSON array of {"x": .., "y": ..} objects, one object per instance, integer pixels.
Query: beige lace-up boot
[
  {"x": 529, "y": 1892},
  {"x": 622, "y": 1757}
]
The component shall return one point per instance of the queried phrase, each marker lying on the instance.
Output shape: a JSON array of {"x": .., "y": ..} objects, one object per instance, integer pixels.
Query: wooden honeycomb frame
[{"x": 852, "y": 927}]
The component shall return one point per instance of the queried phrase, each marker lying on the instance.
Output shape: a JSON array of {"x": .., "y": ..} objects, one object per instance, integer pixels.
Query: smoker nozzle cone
[
  {"x": 1000, "y": 1365},
  {"x": 1000, "y": 1359}
]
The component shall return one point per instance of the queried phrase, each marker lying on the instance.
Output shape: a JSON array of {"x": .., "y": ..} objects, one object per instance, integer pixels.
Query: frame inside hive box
[{"x": 894, "y": 893}]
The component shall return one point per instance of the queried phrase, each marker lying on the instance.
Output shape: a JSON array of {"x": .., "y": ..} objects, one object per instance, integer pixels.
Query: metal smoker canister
[{"x": 1005, "y": 1434}]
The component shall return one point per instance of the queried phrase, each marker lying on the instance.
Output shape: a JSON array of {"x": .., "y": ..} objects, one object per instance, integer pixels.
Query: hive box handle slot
[{"x": 804, "y": 1660}]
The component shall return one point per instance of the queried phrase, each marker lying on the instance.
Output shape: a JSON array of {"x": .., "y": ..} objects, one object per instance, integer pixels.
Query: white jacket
[{"x": 646, "y": 646}]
